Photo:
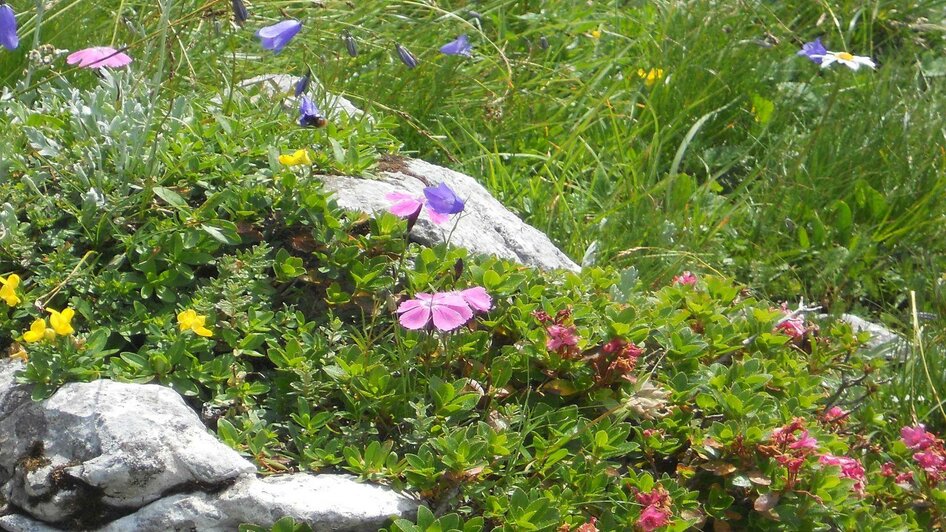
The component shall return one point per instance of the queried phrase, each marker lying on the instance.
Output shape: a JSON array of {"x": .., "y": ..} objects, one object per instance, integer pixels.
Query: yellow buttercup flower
[
  {"x": 651, "y": 76},
  {"x": 62, "y": 321},
  {"x": 595, "y": 34},
  {"x": 8, "y": 289},
  {"x": 190, "y": 320},
  {"x": 37, "y": 332},
  {"x": 295, "y": 159}
]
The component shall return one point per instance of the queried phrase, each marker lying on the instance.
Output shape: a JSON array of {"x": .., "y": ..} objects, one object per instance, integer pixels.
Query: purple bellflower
[
  {"x": 406, "y": 56},
  {"x": 459, "y": 46},
  {"x": 303, "y": 84},
  {"x": 813, "y": 50},
  {"x": 350, "y": 44},
  {"x": 310, "y": 115},
  {"x": 443, "y": 200},
  {"x": 240, "y": 13},
  {"x": 277, "y": 36},
  {"x": 8, "y": 37}
]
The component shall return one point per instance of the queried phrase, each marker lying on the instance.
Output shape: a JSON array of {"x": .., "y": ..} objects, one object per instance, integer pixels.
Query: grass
[{"x": 744, "y": 160}]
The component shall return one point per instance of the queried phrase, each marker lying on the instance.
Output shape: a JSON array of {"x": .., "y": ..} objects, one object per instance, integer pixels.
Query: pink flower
[
  {"x": 447, "y": 311},
  {"x": 99, "y": 57},
  {"x": 477, "y": 299},
  {"x": 653, "y": 518},
  {"x": 835, "y": 414},
  {"x": 590, "y": 526},
  {"x": 804, "y": 442},
  {"x": 888, "y": 470},
  {"x": 687, "y": 278},
  {"x": 561, "y": 336},
  {"x": 916, "y": 438},
  {"x": 931, "y": 462},
  {"x": 904, "y": 478},
  {"x": 850, "y": 468},
  {"x": 407, "y": 206},
  {"x": 793, "y": 327}
]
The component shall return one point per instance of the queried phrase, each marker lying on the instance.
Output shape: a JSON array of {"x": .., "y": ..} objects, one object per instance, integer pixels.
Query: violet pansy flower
[
  {"x": 459, "y": 46},
  {"x": 8, "y": 36},
  {"x": 309, "y": 114},
  {"x": 98, "y": 57},
  {"x": 443, "y": 199},
  {"x": 814, "y": 50},
  {"x": 277, "y": 36}
]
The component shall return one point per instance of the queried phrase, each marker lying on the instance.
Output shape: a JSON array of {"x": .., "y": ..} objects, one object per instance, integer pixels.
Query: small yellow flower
[
  {"x": 295, "y": 159},
  {"x": 8, "y": 289},
  {"x": 595, "y": 34},
  {"x": 190, "y": 320},
  {"x": 37, "y": 332},
  {"x": 62, "y": 321},
  {"x": 652, "y": 76}
]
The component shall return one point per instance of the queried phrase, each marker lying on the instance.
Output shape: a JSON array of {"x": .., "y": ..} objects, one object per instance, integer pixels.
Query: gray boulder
[
  {"x": 324, "y": 502},
  {"x": 95, "y": 449},
  {"x": 485, "y": 227},
  {"x": 113, "y": 456}
]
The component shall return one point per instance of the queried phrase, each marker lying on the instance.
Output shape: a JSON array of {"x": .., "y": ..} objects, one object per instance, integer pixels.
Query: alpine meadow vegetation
[{"x": 732, "y": 176}]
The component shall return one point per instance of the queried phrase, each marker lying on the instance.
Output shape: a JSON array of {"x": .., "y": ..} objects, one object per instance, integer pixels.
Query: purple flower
[
  {"x": 8, "y": 36},
  {"x": 239, "y": 11},
  {"x": 443, "y": 200},
  {"x": 303, "y": 84},
  {"x": 406, "y": 56},
  {"x": 277, "y": 36},
  {"x": 309, "y": 114},
  {"x": 350, "y": 44},
  {"x": 459, "y": 46},
  {"x": 813, "y": 50}
]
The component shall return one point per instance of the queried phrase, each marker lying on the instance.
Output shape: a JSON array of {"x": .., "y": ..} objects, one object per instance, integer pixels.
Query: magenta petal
[
  {"x": 453, "y": 301},
  {"x": 447, "y": 318},
  {"x": 477, "y": 298},
  {"x": 98, "y": 57},
  {"x": 437, "y": 218},
  {"x": 414, "y": 313}
]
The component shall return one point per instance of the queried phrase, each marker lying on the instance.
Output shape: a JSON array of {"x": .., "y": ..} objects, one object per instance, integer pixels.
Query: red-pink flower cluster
[
  {"x": 929, "y": 452},
  {"x": 791, "y": 449},
  {"x": 561, "y": 337},
  {"x": 686, "y": 278},
  {"x": 850, "y": 468},
  {"x": 835, "y": 416},
  {"x": 656, "y": 512},
  {"x": 618, "y": 360},
  {"x": 890, "y": 470}
]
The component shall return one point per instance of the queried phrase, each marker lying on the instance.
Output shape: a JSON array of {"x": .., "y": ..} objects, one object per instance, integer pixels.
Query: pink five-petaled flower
[
  {"x": 99, "y": 57},
  {"x": 407, "y": 206},
  {"x": 917, "y": 438},
  {"x": 687, "y": 278},
  {"x": 652, "y": 518},
  {"x": 446, "y": 310},
  {"x": 804, "y": 442},
  {"x": 850, "y": 468},
  {"x": 560, "y": 337}
]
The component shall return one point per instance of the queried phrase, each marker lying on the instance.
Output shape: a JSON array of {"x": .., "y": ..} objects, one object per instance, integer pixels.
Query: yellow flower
[
  {"x": 8, "y": 289},
  {"x": 297, "y": 158},
  {"x": 651, "y": 76},
  {"x": 190, "y": 320},
  {"x": 595, "y": 34},
  {"x": 37, "y": 332},
  {"x": 62, "y": 321}
]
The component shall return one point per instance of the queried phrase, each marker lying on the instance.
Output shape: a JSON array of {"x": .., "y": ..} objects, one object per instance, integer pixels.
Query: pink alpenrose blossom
[
  {"x": 917, "y": 438},
  {"x": 560, "y": 336},
  {"x": 850, "y": 468},
  {"x": 652, "y": 518},
  {"x": 804, "y": 442},
  {"x": 687, "y": 278},
  {"x": 99, "y": 57}
]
